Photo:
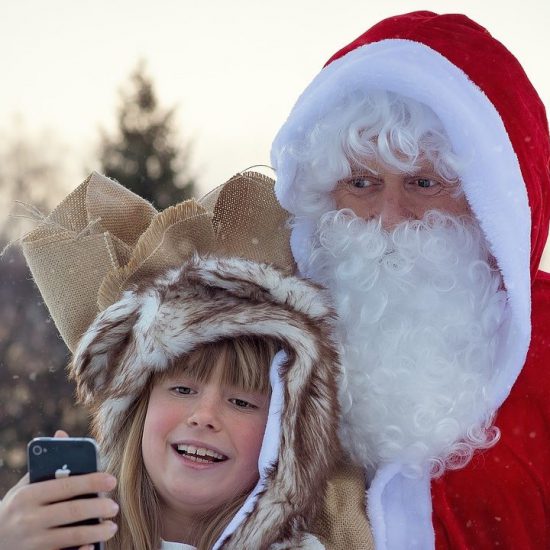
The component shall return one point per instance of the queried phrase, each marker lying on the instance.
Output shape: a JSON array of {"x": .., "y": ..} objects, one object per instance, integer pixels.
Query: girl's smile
[{"x": 196, "y": 454}]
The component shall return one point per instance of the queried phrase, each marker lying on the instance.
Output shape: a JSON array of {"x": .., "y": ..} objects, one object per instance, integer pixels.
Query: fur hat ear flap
[{"x": 103, "y": 347}]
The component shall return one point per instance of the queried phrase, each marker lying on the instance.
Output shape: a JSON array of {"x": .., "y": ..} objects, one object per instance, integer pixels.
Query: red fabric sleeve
[{"x": 502, "y": 498}]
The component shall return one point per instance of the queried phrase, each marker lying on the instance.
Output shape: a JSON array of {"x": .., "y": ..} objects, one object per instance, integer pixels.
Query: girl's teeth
[
  {"x": 195, "y": 458},
  {"x": 197, "y": 452}
]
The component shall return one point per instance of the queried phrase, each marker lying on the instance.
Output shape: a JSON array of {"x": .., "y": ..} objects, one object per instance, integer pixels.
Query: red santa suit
[{"x": 495, "y": 119}]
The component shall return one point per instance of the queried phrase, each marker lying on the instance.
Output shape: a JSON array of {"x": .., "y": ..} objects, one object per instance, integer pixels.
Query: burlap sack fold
[
  {"x": 172, "y": 236},
  {"x": 342, "y": 523},
  {"x": 249, "y": 222},
  {"x": 78, "y": 243},
  {"x": 102, "y": 238}
]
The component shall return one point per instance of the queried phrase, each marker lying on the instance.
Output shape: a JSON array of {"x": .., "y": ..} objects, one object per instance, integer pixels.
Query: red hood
[{"x": 495, "y": 121}]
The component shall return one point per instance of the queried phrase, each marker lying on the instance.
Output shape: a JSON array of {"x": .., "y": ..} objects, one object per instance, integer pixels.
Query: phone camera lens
[{"x": 37, "y": 450}]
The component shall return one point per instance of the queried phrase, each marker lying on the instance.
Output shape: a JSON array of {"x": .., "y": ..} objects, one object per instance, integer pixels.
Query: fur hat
[{"x": 203, "y": 300}]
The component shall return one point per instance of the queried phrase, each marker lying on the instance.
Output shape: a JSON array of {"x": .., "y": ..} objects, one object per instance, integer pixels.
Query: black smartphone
[{"x": 57, "y": 457}]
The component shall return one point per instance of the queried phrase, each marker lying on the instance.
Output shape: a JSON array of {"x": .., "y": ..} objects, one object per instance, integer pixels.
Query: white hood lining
[{"x": 270, "y": 447}]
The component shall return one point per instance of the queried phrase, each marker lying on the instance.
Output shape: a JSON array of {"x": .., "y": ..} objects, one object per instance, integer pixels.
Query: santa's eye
[
  {"x": 425, "y": 183},
  {"x": 359, "y": 182}
]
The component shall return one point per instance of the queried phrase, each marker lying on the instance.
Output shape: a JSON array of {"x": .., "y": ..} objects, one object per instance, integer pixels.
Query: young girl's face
[{"x": 201, "y": 441}]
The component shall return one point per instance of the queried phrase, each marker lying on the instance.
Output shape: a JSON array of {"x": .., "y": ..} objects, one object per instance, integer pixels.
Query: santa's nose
[{"x": 392, "y": 209}]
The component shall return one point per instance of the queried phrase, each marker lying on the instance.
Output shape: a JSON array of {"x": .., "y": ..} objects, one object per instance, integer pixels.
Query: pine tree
[{"x": 146, "y": 155}]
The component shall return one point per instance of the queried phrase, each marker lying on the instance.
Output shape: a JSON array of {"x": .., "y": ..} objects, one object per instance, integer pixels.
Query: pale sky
[{"x": 233, "y": 67}]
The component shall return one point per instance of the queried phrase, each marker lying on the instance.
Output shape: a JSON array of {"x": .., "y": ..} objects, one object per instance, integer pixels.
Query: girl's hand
[{"x": 32, "y": 516}]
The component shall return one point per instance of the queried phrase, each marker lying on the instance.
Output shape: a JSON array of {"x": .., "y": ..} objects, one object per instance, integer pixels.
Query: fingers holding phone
[
  {"x": 64, "y": 506},
  {"x": 30, "y": 521}
]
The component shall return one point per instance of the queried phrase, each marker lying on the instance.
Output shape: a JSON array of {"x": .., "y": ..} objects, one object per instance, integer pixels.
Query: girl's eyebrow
[{"x": 173, "y": 378}]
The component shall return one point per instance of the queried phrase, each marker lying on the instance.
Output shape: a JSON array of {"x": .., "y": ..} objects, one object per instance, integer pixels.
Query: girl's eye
[
  {"x": 182, "y": 390},
  {"x": 242, "y": 404}
]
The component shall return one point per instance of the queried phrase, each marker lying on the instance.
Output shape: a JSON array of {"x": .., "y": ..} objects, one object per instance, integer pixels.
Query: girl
[
  {"x": 222, "y": 392},
  {"x": 212, "y": 391}
]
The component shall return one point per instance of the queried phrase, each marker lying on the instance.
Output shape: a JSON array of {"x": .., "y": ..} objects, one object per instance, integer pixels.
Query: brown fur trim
[{"x": 204, "y": 300}]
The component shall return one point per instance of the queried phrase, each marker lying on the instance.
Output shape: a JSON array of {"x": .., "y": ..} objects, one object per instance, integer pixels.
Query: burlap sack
[{"x": 103, "y": 238}]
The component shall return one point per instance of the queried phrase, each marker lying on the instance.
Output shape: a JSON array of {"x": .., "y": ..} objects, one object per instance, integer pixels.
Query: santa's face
[
  {"x": 419, "y": 310},
  {"x": 377, "y": 190},
  {"x": 382, "y": 222}
]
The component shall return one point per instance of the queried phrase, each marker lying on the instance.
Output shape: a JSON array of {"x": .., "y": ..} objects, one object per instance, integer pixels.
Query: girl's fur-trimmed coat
[{"x": 204, "y": 300}]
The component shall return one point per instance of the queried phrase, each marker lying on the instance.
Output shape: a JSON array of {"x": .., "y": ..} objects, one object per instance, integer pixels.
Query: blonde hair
[{"x": 246, "y": 365}]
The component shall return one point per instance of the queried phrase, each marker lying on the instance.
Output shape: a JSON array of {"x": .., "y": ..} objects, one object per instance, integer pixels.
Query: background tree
[
  {"x": 146, "y": 156},
  {"x": 35, "y": 395},
  {"x": 32, "y": 171}
]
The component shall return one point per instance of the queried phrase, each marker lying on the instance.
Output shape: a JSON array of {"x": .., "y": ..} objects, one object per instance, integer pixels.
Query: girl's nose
[{"x": 205, "y": 414}]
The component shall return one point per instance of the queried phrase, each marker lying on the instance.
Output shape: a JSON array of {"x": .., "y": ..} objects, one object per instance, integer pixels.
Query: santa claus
[{"x": 415, "y": 167}]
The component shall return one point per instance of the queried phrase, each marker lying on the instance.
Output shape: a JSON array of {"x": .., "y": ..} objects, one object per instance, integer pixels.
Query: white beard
[{"x": 419, "y": 311}]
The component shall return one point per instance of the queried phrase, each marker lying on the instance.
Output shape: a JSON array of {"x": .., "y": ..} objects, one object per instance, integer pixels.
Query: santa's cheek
[{"x": 359, "y": 206}]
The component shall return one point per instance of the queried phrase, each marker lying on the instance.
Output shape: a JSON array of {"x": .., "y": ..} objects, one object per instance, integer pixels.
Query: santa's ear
[{"x": 103, "y": 347}]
